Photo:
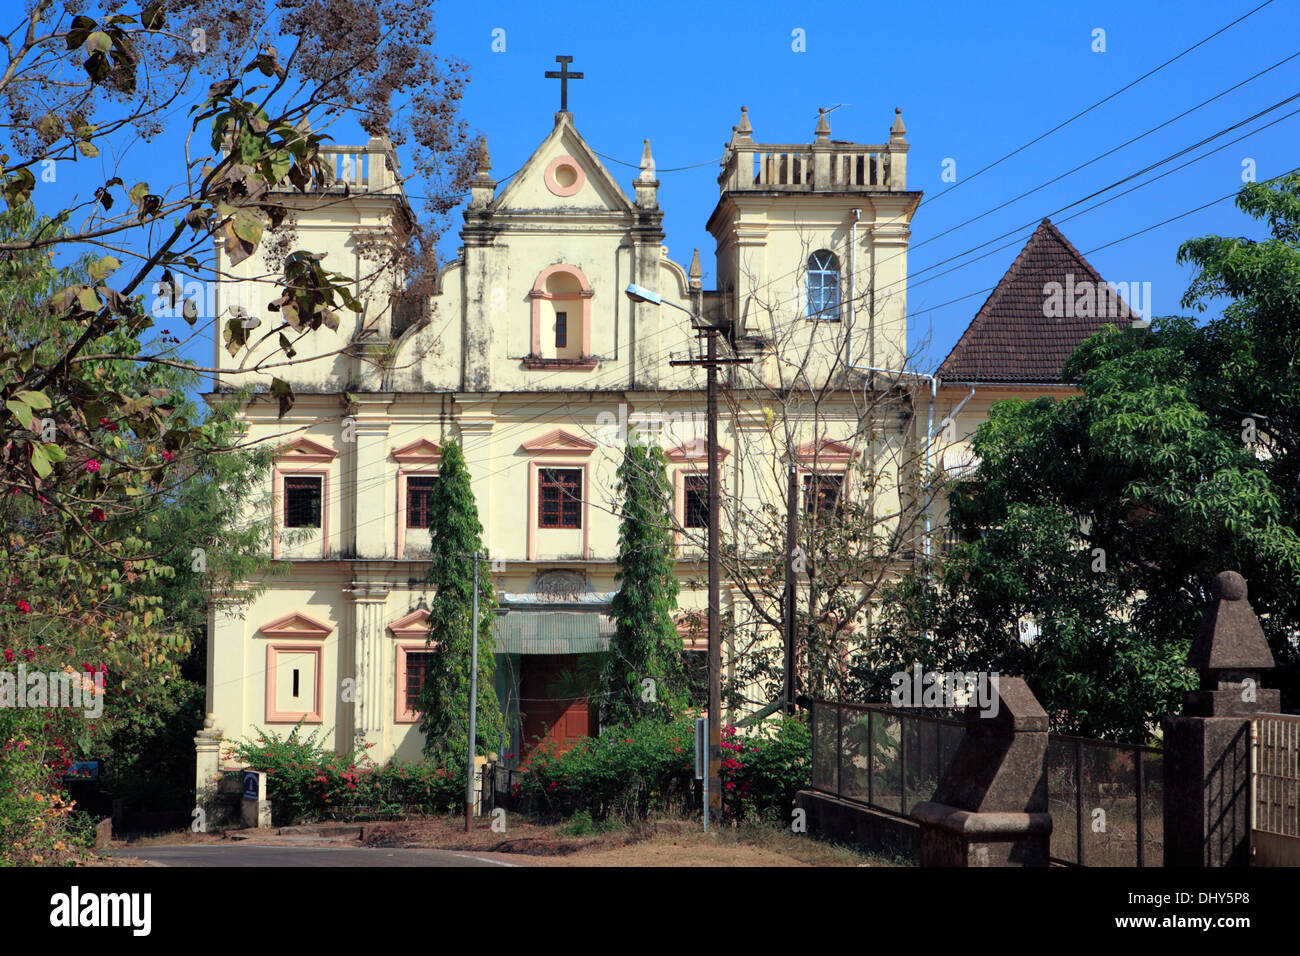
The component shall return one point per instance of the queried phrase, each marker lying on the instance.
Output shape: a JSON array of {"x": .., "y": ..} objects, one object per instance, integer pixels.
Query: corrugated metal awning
[{"x": 553, "y": 632}]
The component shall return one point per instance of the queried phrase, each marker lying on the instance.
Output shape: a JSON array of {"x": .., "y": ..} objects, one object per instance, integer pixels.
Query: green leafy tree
[
  {"x": 118, "y": 586},
  {"x": 444, "y": 701},
  {"x": 643, "y": 674},
  {"x": 1093, "y": 528}
]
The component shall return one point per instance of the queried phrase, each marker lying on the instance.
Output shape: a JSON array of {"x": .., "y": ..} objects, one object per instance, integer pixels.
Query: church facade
[{"x": 530, "y": 355}]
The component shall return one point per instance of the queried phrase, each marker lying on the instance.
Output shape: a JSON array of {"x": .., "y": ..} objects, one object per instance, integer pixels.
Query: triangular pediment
[
  {"x": 297, "y": 625},
  {"x": 411, "y": 626},
  {"x": 693, "y": 628},
  {"x": 422, "y": 451},
  {"x": 559, "y": 442},
  {"x": 696, "y": 449},
  {"x": 538, "y": 188},
  {"x": 304, "y": 449},
  {"x": 827, "y": 451}
]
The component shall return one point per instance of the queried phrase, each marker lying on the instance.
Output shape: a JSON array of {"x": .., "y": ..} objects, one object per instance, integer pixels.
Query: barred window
[
  {"x": 302, "y": 501},
  {"x": 419, "y": 494},
  {"x": 559, "y": 498},
  {"x": 825, "y": 494},
  {"x": 417, "y": 672},
  {"x": 561, "y": 330},
  {"x": 696, "y": 510}
]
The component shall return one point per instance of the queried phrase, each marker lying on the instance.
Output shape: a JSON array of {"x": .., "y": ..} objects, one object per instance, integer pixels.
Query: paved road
[{"x": 243, "y": 854}]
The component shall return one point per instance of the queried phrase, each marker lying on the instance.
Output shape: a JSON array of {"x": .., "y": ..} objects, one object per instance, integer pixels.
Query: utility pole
[
  {"x": 473, "y": 709},
  {"x": 791, "y": 543},
  {"x": 711, "y": 362}
]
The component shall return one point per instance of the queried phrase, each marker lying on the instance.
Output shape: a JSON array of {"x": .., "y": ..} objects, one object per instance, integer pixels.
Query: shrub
[
  {"x": 762, "y": 771},
  {"x": 633, "y": 770},
  {"x": 626, "y": 772},
  {"x": 306, "y": 782}
]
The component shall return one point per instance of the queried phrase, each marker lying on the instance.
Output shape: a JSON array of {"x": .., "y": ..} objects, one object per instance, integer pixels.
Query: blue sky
[{"x": 975, "y": 82}]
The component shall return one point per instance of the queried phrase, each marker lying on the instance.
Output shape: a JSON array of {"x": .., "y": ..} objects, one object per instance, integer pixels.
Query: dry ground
[
  {"x": 657, "y": 843},
  {"x": 666, "y": 842}
]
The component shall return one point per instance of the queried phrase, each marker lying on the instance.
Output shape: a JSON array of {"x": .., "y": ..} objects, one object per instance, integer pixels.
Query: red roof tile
[{"x": 1024, "y": 332}]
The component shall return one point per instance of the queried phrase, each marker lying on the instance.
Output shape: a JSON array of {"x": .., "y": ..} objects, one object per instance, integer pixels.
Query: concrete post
[
  {"x": 990, "y": 808},
  {"x": 255, "y": 811},
  {"x": 1207, "y": 747}
]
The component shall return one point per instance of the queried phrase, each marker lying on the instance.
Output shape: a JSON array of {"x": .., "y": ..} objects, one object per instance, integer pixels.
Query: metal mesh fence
[{"x": 1106, "y": 799}]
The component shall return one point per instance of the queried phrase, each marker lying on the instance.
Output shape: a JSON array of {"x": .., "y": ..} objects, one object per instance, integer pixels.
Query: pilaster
[
  {"x": 475, "y": 419},
  {"x": 370, "y": 665},
  {"x": 373, "y": 493}
]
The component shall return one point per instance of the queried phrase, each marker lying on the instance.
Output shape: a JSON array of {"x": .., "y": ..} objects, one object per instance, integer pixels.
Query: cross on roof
[{"x": 563, "y": 75}]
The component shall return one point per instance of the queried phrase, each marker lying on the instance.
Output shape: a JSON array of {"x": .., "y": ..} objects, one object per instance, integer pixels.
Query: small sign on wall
[{"x": 254, "y": 785}]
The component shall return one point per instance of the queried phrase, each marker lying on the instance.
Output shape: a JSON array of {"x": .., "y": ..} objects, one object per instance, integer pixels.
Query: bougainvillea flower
[
  {"x": 24, "y": 607},
  {"x": 92, "y": 465},
  {"x": 97, "y": 514}
]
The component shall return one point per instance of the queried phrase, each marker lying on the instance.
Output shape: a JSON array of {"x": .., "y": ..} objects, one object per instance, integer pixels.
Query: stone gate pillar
[{"x": 1207, "y": 747}]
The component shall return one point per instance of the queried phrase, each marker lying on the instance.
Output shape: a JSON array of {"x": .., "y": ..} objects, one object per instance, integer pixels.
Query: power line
[{"x": 1105, "y": 99}]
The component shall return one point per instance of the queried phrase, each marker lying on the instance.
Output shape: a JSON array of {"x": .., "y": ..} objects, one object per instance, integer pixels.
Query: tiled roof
[{"x": 1020, "y": 334}]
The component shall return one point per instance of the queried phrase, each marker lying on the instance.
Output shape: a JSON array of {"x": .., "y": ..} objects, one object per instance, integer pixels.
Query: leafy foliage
[
  {"x": 444, "y": 701},
  {"x": 307, "y": 782},
  {"x": 632, "y": 771},
  {"x": 1100, "y": 521},
  {"x": 646, "y": 646}
]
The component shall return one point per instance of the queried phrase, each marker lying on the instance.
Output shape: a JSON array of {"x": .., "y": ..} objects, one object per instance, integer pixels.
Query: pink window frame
[
  {"x": 833, "y": 458},
  {"x": 538, "y": 294},
  {"x": 553, "y": 184},
  {"x": 690, "y": 458},
  {"x": 558, "y": 449},
  {"x": 422, "y": 457},
  {"x": 273, "y": 714},
  {"x": 400, "y": 714},
  {"x": 411, "y": 631},
  {"x": 302, "y": 457}
]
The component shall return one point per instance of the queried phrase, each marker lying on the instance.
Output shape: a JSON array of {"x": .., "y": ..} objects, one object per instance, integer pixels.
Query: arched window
[
  {"x": 824, "y": 286},
  {"x": 561, "y": 320}
]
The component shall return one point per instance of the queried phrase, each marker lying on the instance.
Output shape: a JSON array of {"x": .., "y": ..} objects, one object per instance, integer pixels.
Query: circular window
[{"x": 564, "y": 177}]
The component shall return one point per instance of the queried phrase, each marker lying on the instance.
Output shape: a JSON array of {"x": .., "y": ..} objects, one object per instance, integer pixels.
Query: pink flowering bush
[{"x": 307, "y": 782}]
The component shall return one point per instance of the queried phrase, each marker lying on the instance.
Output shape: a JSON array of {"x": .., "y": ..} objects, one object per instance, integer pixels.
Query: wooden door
[{"x": 546, "y": 718}]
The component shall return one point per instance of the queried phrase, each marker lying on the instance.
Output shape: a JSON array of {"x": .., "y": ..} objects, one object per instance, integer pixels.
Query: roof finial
[
  {"x": 898, "y": 129},
  {"x": 744, "y": 129},
  {"x": 823, "y": 124},
  {"x": 696, "y": 275},
  {"x": 647, "y": 187},
  {"x": 647, "y": 163},
  {"x": 482, "y": 187}
]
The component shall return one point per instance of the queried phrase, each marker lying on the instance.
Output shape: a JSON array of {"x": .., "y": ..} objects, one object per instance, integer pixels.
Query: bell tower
[{"x": 812, "y": 243}]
